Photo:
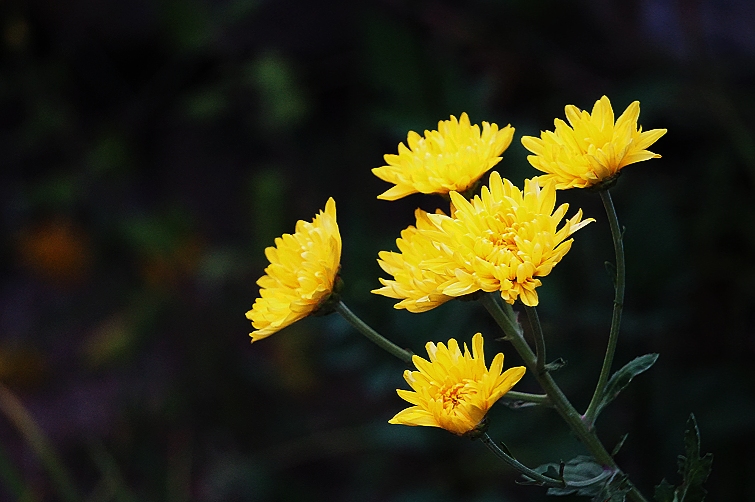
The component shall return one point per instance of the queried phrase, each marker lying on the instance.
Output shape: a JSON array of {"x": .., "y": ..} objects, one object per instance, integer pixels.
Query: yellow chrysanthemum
[
  {"x": 418, "y": 269},
  {"x": 502, "y": 240},
  {"x": 301, "y": 275},
  {"x": 593, "y": 149},
  {"x": 452, "y": 390},
  {"x": 452, "y": 158}
]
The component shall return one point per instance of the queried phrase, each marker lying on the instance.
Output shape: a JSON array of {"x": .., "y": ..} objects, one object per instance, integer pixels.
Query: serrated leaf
[
  {"x": 551, "y": 470},
  {"x": 693, "y": 468},
  {"x": 665, "y": 492},
  {"x": 620, "y": 380}
]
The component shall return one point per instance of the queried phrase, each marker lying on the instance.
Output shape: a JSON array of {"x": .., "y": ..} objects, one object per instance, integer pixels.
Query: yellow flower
[
  {"x": 452, "y": 390},
  {"x": 418, "y": 270},
  {"x": 301, "y": 276},
  {"x": 593, "y": 149},
  {"x": 452, "y": 158},
  {"x": 502, "y": 240}
]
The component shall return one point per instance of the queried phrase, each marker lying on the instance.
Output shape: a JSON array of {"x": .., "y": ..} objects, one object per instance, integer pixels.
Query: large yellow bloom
[
  {"x": 452, "y": 158},
  {"x": 593, "y": 149},
  {"x": 301, "y": 275},
  {"x": 502, "y": 240},
  {"x": 454, "y": 390}
]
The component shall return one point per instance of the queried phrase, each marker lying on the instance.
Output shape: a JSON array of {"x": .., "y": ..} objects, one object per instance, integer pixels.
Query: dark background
[{"x": 151, "y": 150}]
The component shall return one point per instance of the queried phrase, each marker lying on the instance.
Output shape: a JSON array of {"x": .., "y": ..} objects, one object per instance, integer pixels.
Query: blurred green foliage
[{"x": 152, "y": 150}]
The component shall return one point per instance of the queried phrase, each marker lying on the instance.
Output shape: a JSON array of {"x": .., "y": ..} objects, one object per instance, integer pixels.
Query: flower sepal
[
  {"x": 470, "y": 192},
  {"x": 605, "y": 184},
  {"x": 471, "y": 297},
  {"x": 479, "y": 430},
  {"x": 328, "y": 304}
]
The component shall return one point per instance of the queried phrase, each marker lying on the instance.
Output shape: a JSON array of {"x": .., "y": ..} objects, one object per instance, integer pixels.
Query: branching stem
[{"x": 506, "y": 318}]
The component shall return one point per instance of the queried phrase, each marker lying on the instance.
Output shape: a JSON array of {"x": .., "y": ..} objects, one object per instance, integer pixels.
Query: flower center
[
  {"x": 455, "y": 394},
  {"x": 504, "y": 244},
  {"x": 504, "y": 240}
]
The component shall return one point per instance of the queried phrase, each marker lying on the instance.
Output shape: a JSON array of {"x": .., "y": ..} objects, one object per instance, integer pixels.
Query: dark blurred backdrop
[{"x": 152, "y": 149}]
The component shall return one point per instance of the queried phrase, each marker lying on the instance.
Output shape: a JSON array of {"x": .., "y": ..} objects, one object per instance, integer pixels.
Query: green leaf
[
  {"x": 556, "y": 364},
  {"x": 611, "y": 271},
  {"x": 505, "y": 448},
  {"x": 693, "y": 468},
  {"x": 551, "y": 470},
  {"x": 583, "y": 476},
  {"x": 664, "y": 492},
  {"x": 619, "y": 445},
  {"x": 615, "y": 490},
  {"x": 622, "y": 377}
]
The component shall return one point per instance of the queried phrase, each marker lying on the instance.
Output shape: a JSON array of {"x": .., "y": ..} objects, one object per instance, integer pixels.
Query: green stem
[
  {"x": 498, "y": 451},
  {"x": 528, "y": 398},
  {"x": 618, "y": 306},
  {"x": 373, "y": 335},
  {"x": 506, "y": 319},
  {"x": 537, "y": 332}
]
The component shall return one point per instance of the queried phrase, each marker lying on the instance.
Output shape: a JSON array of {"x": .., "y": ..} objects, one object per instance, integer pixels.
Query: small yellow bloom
[
  {"x": 452, "y": 158},
  {"x": 501, "y": 240},
  {"x": 301, "y": 275},
  {"x": 593, "y": 149},
  {"x": 452, "y": 390}
]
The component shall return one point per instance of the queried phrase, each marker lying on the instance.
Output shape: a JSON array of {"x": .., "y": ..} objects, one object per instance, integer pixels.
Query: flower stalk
[
  {"x": 618, "y": 307},
  {"x": 373, "y": 335},
  {"x": 537, "y": 332},
  {"x": 500, "y": 453}
]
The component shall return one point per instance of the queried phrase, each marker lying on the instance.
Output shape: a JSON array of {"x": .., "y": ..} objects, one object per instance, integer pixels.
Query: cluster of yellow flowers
[
  {"x": 503, "y": 240},
  {"x": 499, "y": 241}
]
